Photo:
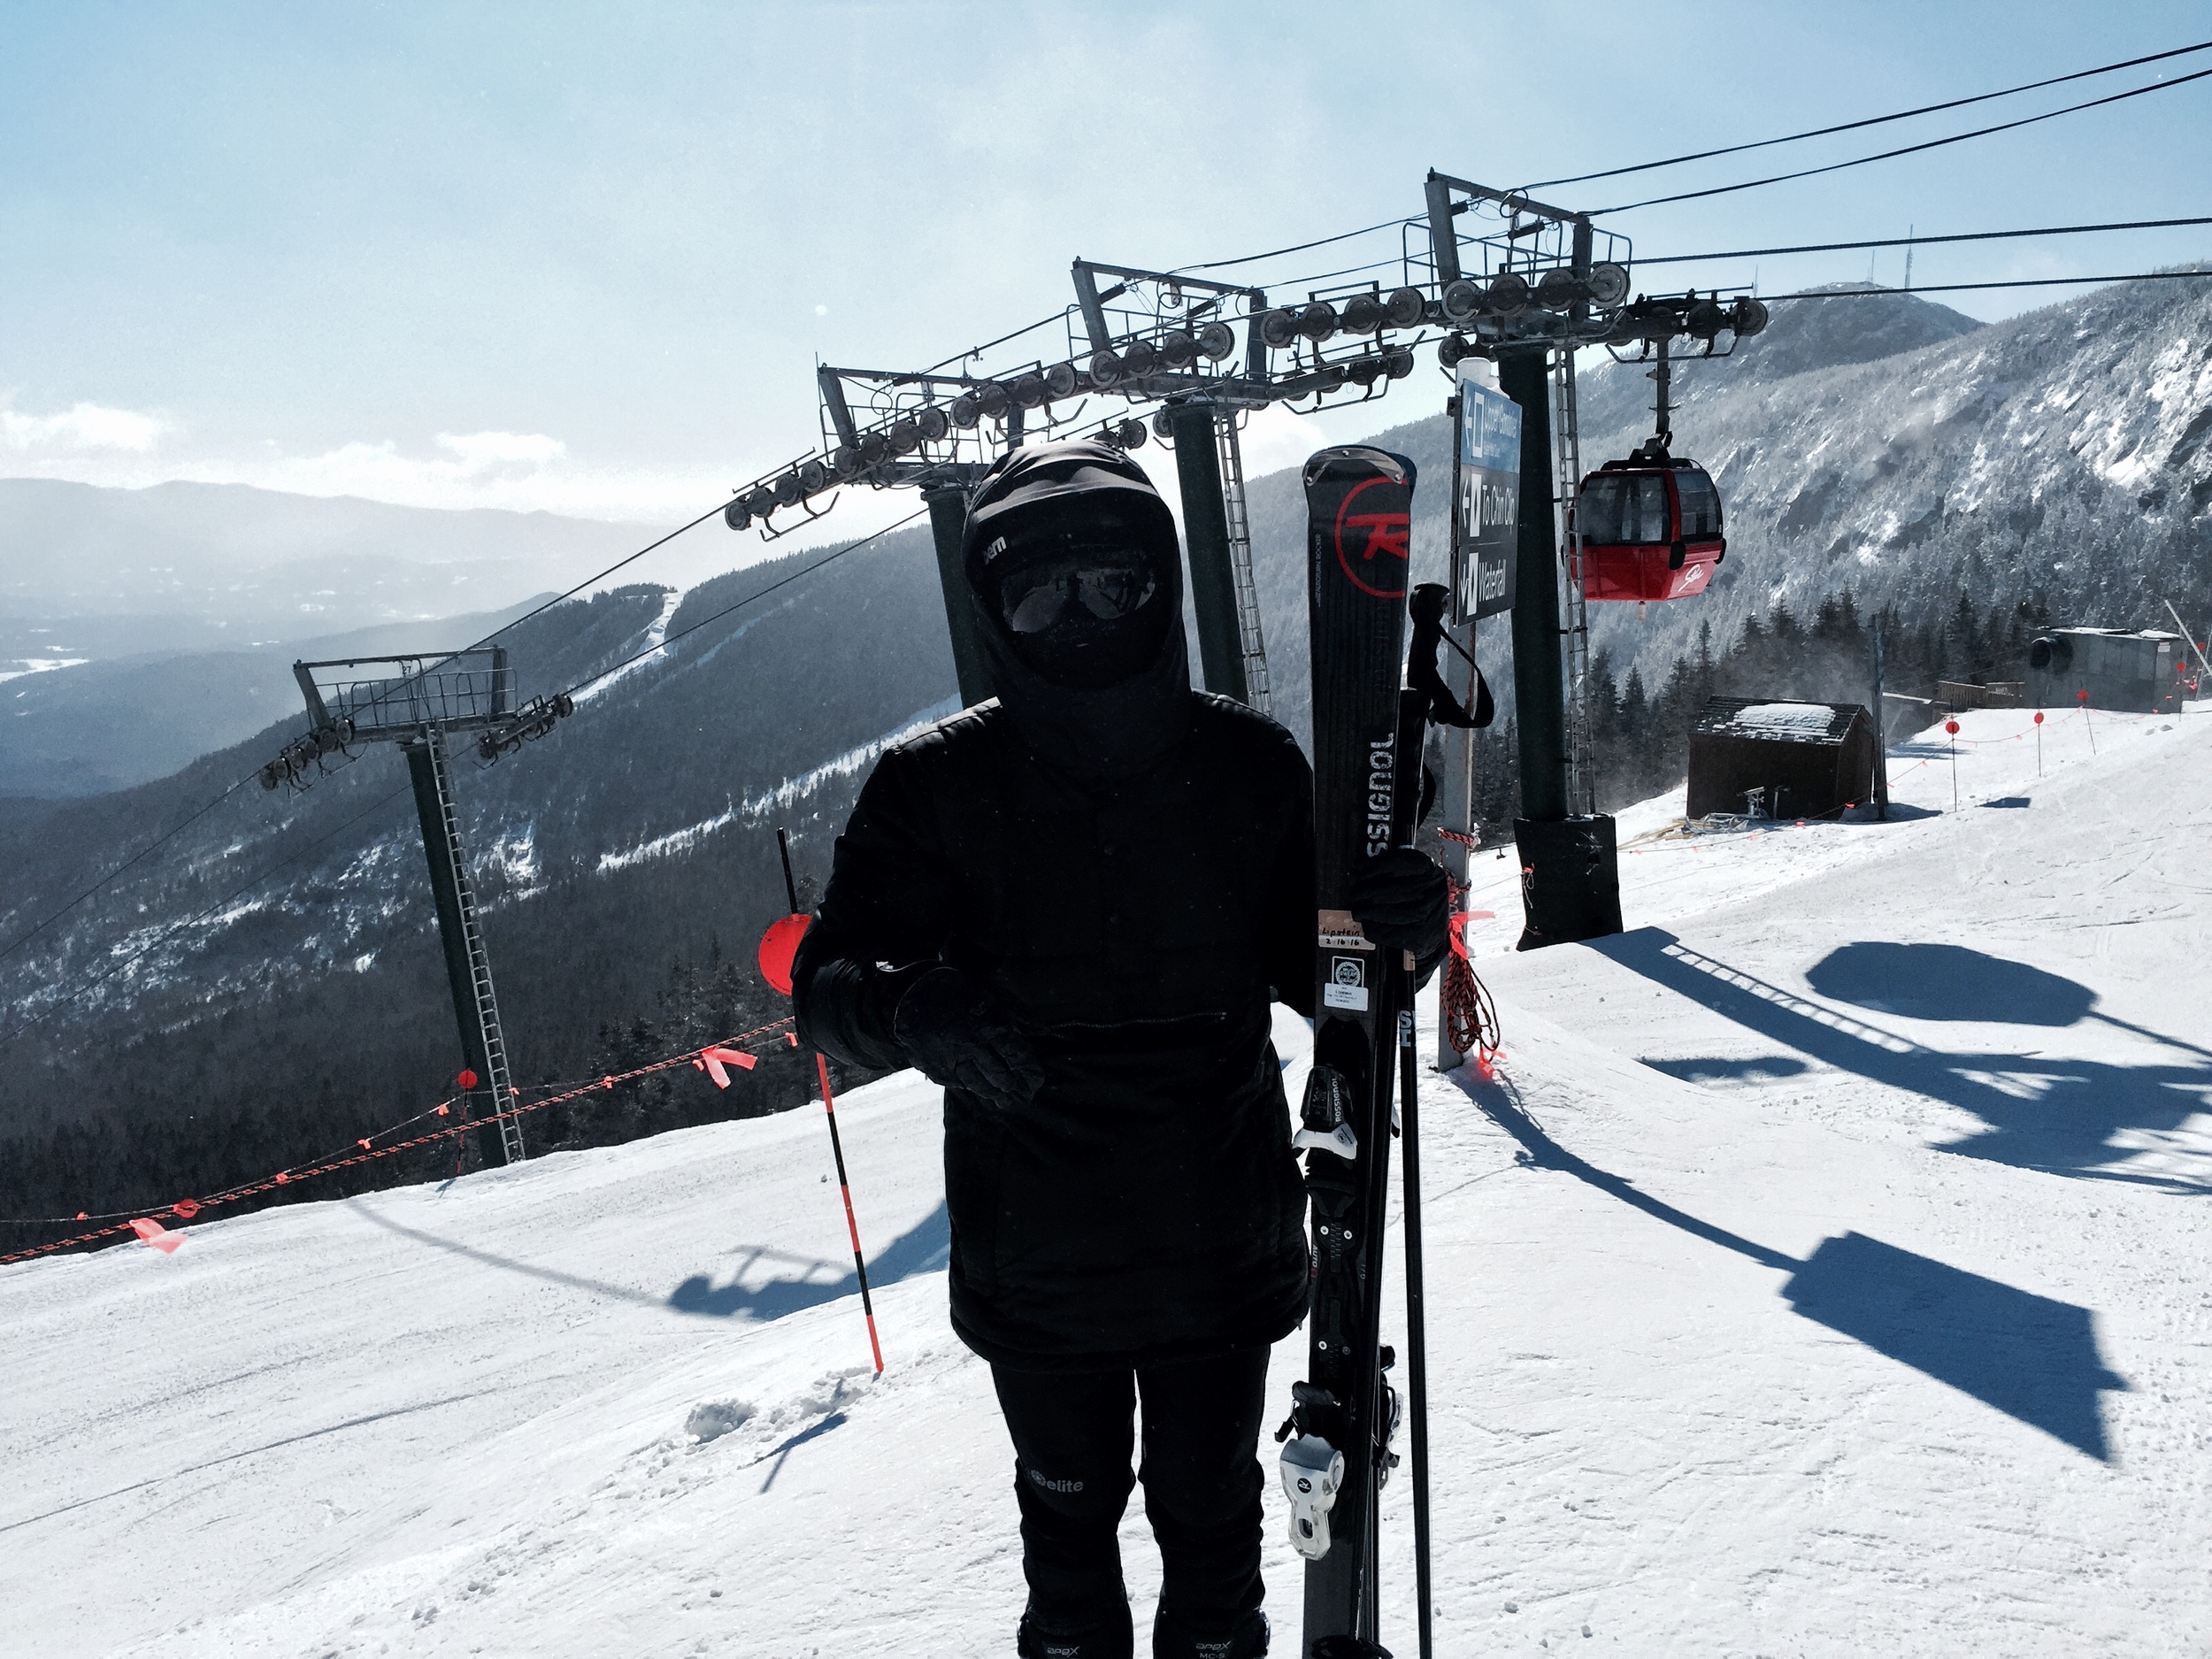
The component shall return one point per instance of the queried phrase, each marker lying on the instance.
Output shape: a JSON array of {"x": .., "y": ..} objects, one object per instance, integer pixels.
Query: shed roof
[
  {"x": 1770, "y": 721},
  {"x": 2120, "y": 633}
]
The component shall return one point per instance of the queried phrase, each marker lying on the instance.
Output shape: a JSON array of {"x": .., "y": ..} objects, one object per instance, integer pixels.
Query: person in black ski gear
[{"x": 1070, "y": 905}]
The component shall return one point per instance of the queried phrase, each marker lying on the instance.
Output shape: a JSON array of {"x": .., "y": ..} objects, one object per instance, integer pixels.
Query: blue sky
[{"x": 584, "y": 257}]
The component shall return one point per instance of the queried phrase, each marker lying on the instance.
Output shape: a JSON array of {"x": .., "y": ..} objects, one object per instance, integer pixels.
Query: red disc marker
[{"x": 778, "y": 946}]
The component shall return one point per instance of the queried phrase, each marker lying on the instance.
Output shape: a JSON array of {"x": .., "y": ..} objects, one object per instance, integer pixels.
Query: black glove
[
  {"x": 1402, "y": 902},
  {"x": 960, "y": 1038}
]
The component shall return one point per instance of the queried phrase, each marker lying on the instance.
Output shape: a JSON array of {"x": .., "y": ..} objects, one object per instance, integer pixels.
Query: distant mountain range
[
  {"x": 141, "y": 628},
  {"x": 111, "y": 723},
  {"x": 208, "y": 564}
]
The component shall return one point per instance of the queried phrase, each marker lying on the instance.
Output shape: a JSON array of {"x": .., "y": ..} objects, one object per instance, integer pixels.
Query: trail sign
[{"x": 1486, "y": 517}]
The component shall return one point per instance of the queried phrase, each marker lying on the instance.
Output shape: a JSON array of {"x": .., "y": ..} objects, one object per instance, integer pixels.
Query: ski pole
[
  {"x": 837, "y": 1149},
  {"x": 1416, "y": 1331},
  {"x": 837, "y": 1145}
]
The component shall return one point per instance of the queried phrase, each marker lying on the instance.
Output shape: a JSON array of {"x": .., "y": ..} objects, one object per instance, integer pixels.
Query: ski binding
[
  {"x": 1327, "y": 1113},
  {"x": 1312, "y": 1471}
]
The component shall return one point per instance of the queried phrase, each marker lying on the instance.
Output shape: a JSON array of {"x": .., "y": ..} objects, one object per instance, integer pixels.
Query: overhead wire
[
  {"x": 174, "y": 830},
  {"x": 1964, "y": 288},
  {"x": 1275, "y": 253},
  {"x": 977, "y": 351},
  {"x": 1871, "y": 120},
  {"x": 1906, "y": 150},
  {"x": 650, "y": 650},
  {"x": 1924, "y": 242}
]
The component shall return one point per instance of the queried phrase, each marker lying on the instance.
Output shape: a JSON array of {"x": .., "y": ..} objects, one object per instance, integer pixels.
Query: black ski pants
[{"x": 1072, "y": 1433}]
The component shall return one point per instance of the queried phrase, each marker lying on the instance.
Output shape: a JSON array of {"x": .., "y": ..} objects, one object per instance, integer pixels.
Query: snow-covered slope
[{"x": 1822, "y": 1274}]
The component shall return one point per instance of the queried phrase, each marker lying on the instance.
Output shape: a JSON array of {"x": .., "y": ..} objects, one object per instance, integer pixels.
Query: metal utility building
[
  {"x": 2134, "y": 674},
  {"x": 1787, "y": 759}
]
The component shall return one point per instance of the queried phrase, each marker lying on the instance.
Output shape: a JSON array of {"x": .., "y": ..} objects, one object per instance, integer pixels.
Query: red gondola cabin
[{"x": 1650, "y": 529}]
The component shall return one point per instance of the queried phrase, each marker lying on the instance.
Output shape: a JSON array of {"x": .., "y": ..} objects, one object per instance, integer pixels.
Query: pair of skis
[{"x": 1367, "y": 738}]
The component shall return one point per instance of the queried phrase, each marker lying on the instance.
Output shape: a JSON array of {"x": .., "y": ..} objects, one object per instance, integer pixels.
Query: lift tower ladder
[
  {"x": 1566, "y": 448},
  {"x": 417, "y": 702},
  {"x": 479, "y": 1004},
  {"x": 1239, "y": 526}
]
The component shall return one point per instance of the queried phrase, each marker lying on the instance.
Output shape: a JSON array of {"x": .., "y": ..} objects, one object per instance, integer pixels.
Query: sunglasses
[{"x": 1101, "y": 583}]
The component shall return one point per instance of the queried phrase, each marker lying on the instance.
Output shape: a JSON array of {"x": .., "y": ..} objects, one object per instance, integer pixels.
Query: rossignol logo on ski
[
  {"x": 1377, "y": 539},
  {"x": 1382, "y": 777}
]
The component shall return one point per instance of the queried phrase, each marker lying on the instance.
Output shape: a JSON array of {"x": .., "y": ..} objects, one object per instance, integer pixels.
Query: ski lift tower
[
  {"x": 418, "y": 703},
  {"x": 1560, "y": 285},
  {"x": 1208, "y": 456}
]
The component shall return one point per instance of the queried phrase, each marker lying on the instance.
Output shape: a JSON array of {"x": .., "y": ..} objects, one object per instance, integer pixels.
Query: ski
[{"x": 1337, "y": 1452}]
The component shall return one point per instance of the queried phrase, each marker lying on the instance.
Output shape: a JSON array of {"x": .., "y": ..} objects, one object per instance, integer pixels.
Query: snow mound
[
  {"x": 1785, "y": 719},
  {"x": 711, "y": 1420}
]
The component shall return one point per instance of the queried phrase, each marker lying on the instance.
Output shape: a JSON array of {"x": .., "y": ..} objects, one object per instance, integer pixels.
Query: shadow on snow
[
  {"x": 2047, "y": 1112},
  {"x": 2030, "y": 1358},
  {"x": 923, "y": 1249}
]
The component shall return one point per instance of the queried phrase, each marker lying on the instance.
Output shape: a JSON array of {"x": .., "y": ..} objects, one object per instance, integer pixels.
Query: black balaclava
[{"x": 1102, "y": 700}]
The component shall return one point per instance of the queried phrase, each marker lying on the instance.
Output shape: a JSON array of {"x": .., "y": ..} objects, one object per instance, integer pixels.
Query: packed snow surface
[{"x": 1821, "y": 1273}]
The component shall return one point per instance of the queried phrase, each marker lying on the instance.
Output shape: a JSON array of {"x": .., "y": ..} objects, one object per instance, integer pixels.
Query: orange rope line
[{"x": 185, "y": 1209}]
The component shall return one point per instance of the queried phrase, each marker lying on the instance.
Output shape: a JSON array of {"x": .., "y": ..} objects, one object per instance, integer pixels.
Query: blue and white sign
[{"x": 1487, "y": 520}]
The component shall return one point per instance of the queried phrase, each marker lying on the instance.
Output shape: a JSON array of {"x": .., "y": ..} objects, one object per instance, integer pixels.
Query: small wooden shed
[
  {"x": 1810, "y": 759},
  {"x": 2108, "y": 668}
]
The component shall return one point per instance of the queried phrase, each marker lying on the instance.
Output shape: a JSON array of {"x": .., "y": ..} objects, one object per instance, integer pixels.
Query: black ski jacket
[{"x": 1147, "y": 1206}]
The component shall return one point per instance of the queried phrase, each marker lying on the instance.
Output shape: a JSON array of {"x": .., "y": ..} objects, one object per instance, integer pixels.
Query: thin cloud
[{"x": 81, "y": 427}]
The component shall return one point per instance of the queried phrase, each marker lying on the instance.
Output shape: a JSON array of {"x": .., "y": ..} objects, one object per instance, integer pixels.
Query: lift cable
[
  {"x": 2018, "y": 282},
  {"x": 1908, "y": 149},
  {"x": 1872, "y": 120},
  {"x": 1923, "y": 241},
  {"x": 1253, "y": 259},
  {"x": 783, "y": 581},
  {"x": 1644, "y": 166},
  {"x": 977, "y": 351},
  {"x": 186, "y": 823},
  {"x": 175, "y": 829}
]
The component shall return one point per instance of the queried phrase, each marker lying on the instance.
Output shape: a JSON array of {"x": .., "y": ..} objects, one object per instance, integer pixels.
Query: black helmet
[{"x": 1072, "y": 558}]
